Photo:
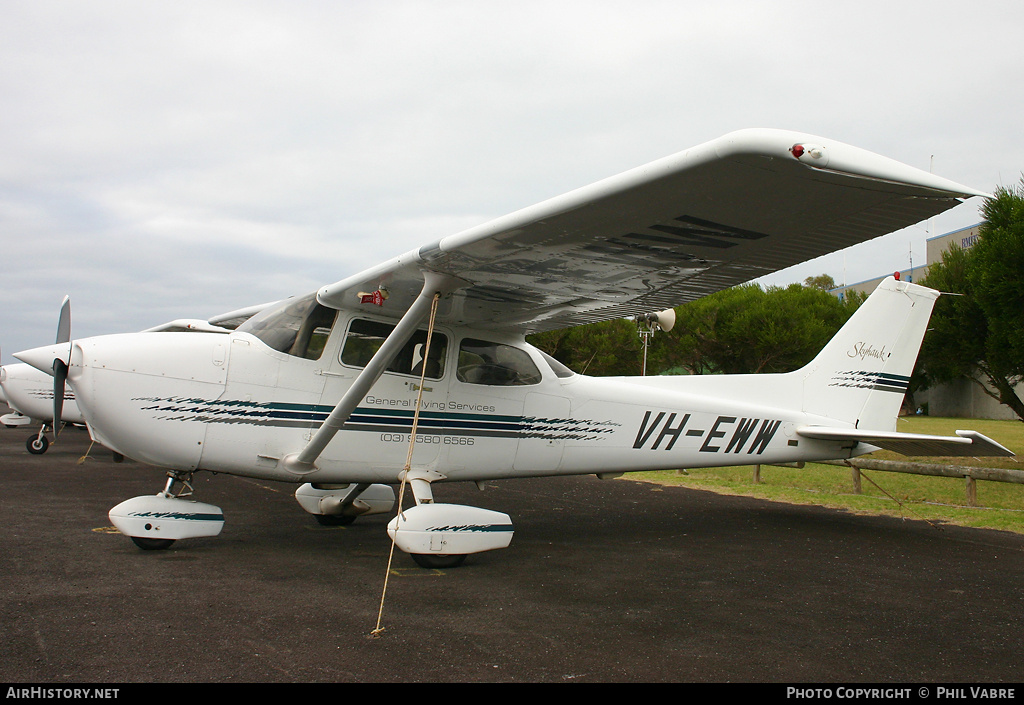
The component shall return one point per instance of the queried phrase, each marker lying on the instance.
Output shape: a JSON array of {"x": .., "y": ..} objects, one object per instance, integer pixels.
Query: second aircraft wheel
[
  {"x": 426, "y": 560},
  {"x": 37, "y": 445}
]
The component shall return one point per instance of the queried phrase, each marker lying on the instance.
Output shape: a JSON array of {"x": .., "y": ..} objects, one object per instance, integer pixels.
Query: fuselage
[
  {"x": 490, "y": 407},
  {"x": 30, "y": 392}
]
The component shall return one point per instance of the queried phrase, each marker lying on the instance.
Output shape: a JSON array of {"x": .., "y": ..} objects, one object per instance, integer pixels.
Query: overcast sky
[{"x": 180, "y": 159}]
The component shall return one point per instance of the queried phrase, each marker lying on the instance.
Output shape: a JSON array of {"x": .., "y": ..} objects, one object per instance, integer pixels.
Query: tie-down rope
[{"x": 408, "y": 457}]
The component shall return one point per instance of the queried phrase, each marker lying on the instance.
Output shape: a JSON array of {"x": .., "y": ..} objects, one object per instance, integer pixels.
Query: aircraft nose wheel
[{"x": 155, "y": 522}]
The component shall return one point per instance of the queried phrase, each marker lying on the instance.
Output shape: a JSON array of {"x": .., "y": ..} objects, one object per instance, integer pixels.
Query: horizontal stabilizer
[{"x": 964, "y": 443}]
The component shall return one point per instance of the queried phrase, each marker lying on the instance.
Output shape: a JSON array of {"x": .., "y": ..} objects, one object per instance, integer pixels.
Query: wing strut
[{"x": 433, "y": 284}]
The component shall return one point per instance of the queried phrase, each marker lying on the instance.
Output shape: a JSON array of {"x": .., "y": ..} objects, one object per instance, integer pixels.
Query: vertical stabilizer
[{"x": 861, "y": 376}]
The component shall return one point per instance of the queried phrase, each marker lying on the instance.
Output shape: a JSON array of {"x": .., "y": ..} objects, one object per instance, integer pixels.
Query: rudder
[{"x": 861, "y": 376}]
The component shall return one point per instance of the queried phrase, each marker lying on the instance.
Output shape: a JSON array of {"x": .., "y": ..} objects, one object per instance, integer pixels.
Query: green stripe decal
[{"x": 369, "y": 419}]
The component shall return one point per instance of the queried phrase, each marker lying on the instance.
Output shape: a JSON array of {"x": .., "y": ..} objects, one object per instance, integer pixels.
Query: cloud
[{"x": 171, "y": 159}]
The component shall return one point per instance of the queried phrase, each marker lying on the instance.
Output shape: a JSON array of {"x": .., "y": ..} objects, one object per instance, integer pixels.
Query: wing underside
[{"x": 663, "y": 234}]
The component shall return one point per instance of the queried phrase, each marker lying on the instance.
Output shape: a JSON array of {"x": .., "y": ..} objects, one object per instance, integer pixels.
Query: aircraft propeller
[{"x": 60, "y": 367}]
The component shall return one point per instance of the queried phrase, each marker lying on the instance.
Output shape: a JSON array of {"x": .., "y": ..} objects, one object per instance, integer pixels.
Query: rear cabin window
[
  {"x": 298, "y": 327},
  {"x": 365, "y": 338},
  {"x": 557, "y": 367},
  {"x": 484, "y": 362}
]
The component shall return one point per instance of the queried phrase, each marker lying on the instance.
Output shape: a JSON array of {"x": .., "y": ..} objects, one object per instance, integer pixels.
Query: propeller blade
[
  {"x": 60, "y": 375},
  {"x": 64, "y": 322},
  {"x": 60, "y": 367}
]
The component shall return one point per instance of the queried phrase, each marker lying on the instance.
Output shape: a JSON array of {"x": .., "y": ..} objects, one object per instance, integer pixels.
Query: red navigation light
[
  {"x": 897, "y": 275},
  {"x": 797, "y": 150}
]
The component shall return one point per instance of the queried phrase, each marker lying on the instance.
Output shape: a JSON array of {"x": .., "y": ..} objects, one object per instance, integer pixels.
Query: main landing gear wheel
[
  {"x": 442, "y": 535},
  {"x": 148, "y": 544},
  {"x": 37, "y": 445},
  {"x": 425, "y": 560},
  {"x": 334, "y": 519}
]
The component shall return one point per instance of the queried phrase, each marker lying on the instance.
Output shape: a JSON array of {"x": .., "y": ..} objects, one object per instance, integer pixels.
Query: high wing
[{"x": 717, "y": 215}]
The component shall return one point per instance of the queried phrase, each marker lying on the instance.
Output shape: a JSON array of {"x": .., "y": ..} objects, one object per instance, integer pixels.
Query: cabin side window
[
  {"x": 298, "y": 327},
  {"x": 496, "y": 364},
  {"x": 560, "y": 370},
  {"x": 365, "y": 338}
]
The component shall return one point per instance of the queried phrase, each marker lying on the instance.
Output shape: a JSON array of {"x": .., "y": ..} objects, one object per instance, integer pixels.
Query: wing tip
[
  {"x": 980, "y": 439},
  {"x": 831, "y": 155}
]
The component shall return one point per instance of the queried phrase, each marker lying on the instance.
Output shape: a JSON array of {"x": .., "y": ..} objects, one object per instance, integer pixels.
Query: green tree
[
  {"x": 825, "y": 282},
  {"x": 603, "y": 349},
  {"x": 976, "y": 328},
  {"x": 745, "y": 329}
]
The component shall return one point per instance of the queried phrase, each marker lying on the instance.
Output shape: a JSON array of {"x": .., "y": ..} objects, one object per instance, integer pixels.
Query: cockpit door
[
  {"x": 378, "y": 432},
  {"x": 541, "y": 449}
]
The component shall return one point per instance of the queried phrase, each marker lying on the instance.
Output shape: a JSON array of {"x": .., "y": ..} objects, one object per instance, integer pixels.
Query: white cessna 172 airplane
[
  {"x": 29, "y": 393},
  {"x": 416, "y": 371}
]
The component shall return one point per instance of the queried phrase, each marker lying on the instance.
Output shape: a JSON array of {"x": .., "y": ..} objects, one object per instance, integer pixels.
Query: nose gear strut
[{"x": 155, "y": 522}]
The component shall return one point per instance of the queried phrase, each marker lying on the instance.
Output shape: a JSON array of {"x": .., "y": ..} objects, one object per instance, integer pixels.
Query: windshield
[{"x": 297, "y": 327}]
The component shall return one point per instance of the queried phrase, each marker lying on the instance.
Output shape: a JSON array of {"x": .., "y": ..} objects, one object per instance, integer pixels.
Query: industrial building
[{"x": 962, "y": 398}]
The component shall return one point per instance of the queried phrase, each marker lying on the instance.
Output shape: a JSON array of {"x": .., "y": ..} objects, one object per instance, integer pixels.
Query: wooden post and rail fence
[{"x": 969, "y": 473}]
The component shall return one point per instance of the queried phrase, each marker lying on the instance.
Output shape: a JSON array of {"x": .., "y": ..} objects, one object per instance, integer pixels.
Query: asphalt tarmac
[{"x": 605, "y": 581}]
